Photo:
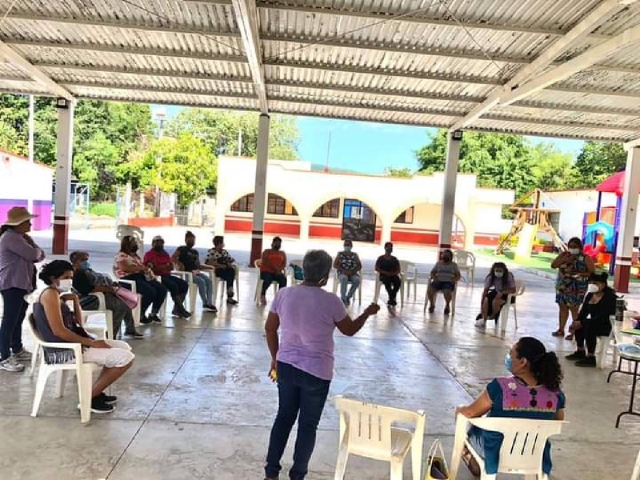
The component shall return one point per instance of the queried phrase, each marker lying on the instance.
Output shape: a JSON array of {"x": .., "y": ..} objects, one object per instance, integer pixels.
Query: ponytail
[{"x": 544, "y": 365}]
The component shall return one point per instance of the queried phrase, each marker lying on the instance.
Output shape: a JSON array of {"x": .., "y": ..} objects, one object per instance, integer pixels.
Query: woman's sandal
[
  {"x": 569, "y": 337},
  {"x": 471, "y": 463},
  {"x": 558, "y": 333}
]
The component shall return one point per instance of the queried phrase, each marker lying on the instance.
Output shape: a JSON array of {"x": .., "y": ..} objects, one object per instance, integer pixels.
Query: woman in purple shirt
[
  {"x": 18, "y": 253},
  {"x": 302, "y": 359}
]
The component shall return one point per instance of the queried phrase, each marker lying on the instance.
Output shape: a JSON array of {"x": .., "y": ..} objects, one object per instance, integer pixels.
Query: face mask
[
  {"x": 446, "y": 259},
  {"x": 388, "y": 251},
  {"x": 133, "y": 248},
  {"x": 498, "y": 273},
  {"x": 275, "y": 246},
  {"x": 347, "y": 249},
  {"x": 64, "y": 285},
  {"x": 508, "y": 362},
  {"x": 593, "y": 288},
  {"x": 85, "y": 265},
  {"x": 574, "y": 251},
  {"x": 158, "y": 248},
  {"x": 190, "y": 243}
]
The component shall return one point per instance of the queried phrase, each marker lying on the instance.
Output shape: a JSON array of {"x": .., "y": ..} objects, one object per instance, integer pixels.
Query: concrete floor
[{"x": 198, "y": 404}]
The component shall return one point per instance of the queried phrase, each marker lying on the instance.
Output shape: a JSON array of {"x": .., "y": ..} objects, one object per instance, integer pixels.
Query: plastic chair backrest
[
  {"x": 523, "y": 443},
  {"x": 463, "y": 258},
  {"x": 257, "y": 263},
  {"x": 520, "y": 287},
  {"x": 37, "y": 339},
  {"x": 405, "y": 265}
]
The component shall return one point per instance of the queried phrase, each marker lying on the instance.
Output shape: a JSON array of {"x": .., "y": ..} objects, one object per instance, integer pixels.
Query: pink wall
[{"x": 41, "y": 208}]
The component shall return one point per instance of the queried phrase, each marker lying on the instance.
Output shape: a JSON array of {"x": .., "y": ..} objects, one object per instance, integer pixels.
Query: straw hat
[{"x": 18, "y": 215}]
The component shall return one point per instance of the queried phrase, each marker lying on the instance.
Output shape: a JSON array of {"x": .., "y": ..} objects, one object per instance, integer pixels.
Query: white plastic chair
[
  {"x": 636, "y": 469},
  {"x": 217, "y": 280},
  {"x": 522, "y": 446},
  {"x": 193, "y": 287},
  {"x": 466, "y": 262},
  {"x": 102, "y": 311},
  {"x": 409, "y": 277},
  {"x": 606, "y": 342},
  {"x": 453, "y": 299},
  {"x": 378, "y": 286},
  {"x": 291, "y": 271},
  {"x": 504, "y": 313},
  {"x": 136, "y": 232},
  {"x": 369, "y": 430},
  {"x": 336, "y": 284},
  {"x": 258, "y": 293},
  {"x": 82, "y": 370}
]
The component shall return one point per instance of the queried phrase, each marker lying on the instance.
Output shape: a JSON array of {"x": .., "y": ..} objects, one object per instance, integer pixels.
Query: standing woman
[
  {"x": 574, "y": 270},
  {"x": 18, "y": 253}
]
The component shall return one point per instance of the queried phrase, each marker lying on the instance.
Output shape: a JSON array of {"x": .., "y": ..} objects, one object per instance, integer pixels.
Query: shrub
[{"x": 103, "y": 210}]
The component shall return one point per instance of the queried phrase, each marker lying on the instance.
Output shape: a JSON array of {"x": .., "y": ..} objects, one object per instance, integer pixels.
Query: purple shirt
[
  {"x": 308, "y": 316},
  {"x": 17, "y": 257}
]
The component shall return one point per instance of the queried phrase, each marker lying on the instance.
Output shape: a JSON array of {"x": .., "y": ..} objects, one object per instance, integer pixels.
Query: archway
[
  {"x": 281, "y": 218},
  {"x": 419, "y": 223},
  {"x": 346, "y": 217}
]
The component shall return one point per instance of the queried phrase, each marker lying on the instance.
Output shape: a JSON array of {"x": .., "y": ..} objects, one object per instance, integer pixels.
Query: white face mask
[
  {"x": 65, "y": 285},
  {"x": 499, "y": 274},
  {"x": 593, "y": 288},
  {"x": 574, "y": 251}
]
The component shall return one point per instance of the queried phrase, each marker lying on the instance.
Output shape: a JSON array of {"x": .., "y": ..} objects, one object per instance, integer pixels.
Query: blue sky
[{"x": 369, "y": 147}]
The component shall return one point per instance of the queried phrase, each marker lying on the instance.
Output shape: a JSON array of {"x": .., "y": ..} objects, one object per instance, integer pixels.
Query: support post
[
  {"x": 628, "y": 212},
  {"x": 31, "y": 150},
  {"x": 305, "y": 220},
  {"x": 260, "y": 191},
  {"x": 449, "y": 191},
  {"x": 63, "y": 177},
  {"x": 385, "y": 235}
]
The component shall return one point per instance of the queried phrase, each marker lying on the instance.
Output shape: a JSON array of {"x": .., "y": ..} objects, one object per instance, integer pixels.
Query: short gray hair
[{"x": 316, "y": 265}]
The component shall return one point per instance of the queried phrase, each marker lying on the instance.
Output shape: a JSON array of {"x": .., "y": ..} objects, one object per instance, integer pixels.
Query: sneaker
[
  {"x": 22, "y": 355},
  {"x": 176, "y": 312},
  {"x": 231, "y": 301},
  {"x": 577, "y": 355},
  {"x": 145, "y": 320},
  {"x": 480, "y": 323},
  {"x": 108, "y": 399},
  {"x": 136, "y": 335},
  {"x": 586, "y": 362},
  {"x": 210, "y": 308},
  {"x": 99, "y": 405},
  {"x": 346, "y": 302},
  {"x": 447, "y": 311},
  {"x": 155, "y": 318},
  {"x": 11, "y": 365},
  {"x": 432, "y": 309}
]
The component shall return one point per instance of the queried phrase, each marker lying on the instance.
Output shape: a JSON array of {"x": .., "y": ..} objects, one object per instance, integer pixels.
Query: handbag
[
  {"x": 129, "y": 298},
  {"x": 436, "y": 467}
]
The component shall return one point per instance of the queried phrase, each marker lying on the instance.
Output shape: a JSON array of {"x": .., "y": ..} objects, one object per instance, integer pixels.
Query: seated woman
[
  {"x": 498, "y": 284},
  {"x": 593, "y": 319},
  {"x": 348, "y": 265},
  {"x": 55, "y": 322},
  {"x": 128, "y": 266},
  {"x": 274, "y": 262},
  {"x": 532, "y": 391},
  {"x": 444, "y": 277}
]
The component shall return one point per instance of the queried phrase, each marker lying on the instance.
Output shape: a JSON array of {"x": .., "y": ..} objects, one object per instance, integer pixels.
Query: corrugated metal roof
[{"x": 421, "y": 62}]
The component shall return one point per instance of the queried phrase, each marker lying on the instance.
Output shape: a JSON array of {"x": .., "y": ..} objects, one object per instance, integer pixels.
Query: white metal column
[
  {"x": 260, "y": 192},
  {"x": 63, "y": 177},
  {"x": 628, "y": 215},
  {"x": 449, "y": 191},
  {"x": 31, "y": 149}
]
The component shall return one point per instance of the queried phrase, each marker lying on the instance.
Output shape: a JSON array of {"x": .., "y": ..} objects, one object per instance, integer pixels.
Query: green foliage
[
  {"x": 599, "y": 160},
  {"x": 106, "y": 209},
  {"x": 404, "y": 172},
  {"x": 219, "y": 131},
  {"x": 183, "y": 165}
]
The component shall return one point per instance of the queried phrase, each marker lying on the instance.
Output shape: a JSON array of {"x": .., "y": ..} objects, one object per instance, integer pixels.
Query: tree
[
  {"x": 184, "y": 166},
  {"x": 404, "y": 172},
  {"x": 220, "y": 130},
  {"x": 552, "y": 170},
  {"x": 599, "y": 160}
]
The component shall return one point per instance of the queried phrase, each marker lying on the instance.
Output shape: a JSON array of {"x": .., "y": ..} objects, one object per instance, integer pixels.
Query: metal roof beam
[
  {"x": 150, "y": 88},
  {"x": 340, "y": 42},
  {"x": 597, "y": 17},
  {"x": 153, "y": 52},
  {"x": 575, "y": 65},
  {"x": 144, "y": 72},
  {"x": 34, "y": 72},
  {"x": 31, "y": 17},
  {"x": 403, "y": 17},
  {"x": 210, "y": 2},
  {"x": 247, "y": 18}
]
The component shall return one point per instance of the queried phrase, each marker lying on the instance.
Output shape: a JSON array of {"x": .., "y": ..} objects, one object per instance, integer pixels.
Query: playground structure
[{"x": 532, "y": 216}]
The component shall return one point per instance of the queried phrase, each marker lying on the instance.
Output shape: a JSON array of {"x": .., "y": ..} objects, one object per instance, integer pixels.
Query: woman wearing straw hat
[{"x": 18, "y": 253}]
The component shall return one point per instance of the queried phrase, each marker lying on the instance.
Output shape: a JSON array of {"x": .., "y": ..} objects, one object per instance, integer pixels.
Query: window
[
  {"x": 330, "y": 209},
  {"x": 244, "y": 204},
  {"x": 279, "y": 206},
  {"x": 406, "y": 216}
]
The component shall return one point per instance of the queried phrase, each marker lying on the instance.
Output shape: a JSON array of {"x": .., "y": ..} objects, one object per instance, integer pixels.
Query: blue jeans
[
  {"x": 15, "y": 309},
  {"x": 205, "y": 287},
  {"x": 303, "y": 393},
  {"x": 344, "y": 280}
]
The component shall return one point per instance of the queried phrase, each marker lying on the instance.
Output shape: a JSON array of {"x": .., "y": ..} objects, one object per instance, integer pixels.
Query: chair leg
[
  {"x": 108, "y": 318},
  {"x": 41, "y": 383},
  {"x": 341, "y": 465},
  {"x": 61, "y": 383},
  {"x": 84, "y": 391},
  {"x": 376, "y": 295},
  {"x": 402, "y": 294},
  {"x": 193, "y": 297},
  {"x": 258, "y": 290},
  {"x": 396, "y": 468},
  {"x": 34, "y": 359},
  {"x": 515, "y": 316}
]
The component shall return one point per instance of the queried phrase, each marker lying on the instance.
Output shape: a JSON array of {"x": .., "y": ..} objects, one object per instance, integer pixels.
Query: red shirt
[{"x": 161, "y": 262}]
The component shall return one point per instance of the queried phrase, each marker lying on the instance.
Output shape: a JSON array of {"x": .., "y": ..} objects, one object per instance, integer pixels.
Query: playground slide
[
  {"x": 600, "y": 228},
  {"x": 525, "y": 241}
]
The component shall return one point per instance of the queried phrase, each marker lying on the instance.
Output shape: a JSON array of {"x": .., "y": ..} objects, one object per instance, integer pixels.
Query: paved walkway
[{"x": 197, "y": 404}]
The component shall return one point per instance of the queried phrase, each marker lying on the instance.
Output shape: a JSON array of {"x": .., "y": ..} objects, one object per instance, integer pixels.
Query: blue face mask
[
  {"x": 508, "y": 362},
  {"x": 85, "y": 265}
]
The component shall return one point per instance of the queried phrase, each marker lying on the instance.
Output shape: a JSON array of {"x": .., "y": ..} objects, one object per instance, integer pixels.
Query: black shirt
[
  {"x": 390, "y": 264},
  {"x": 189, "y": 258}
]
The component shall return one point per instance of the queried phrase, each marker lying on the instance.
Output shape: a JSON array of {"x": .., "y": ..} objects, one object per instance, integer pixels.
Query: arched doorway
[
  {"x": 281, "y": 218},
  {"x": 358, "y": 221}
]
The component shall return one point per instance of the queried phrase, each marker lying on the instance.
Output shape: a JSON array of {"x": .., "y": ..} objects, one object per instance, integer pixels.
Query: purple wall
[{"x": 42, "y": 208}]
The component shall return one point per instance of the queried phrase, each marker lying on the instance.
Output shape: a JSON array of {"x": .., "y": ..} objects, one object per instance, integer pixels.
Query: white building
[{"x": 305, "y": 203}]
